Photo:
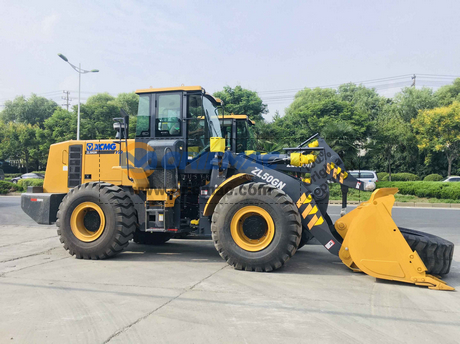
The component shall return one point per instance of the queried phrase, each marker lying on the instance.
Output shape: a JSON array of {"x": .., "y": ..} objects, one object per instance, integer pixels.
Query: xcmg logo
[{"x": 101, "y": 146}]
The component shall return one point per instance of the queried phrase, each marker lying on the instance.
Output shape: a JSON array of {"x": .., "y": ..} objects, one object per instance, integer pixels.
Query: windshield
[{"x": 211, "y": 115}]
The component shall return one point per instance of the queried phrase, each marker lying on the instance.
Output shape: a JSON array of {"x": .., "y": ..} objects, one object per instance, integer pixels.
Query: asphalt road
[{"x": 184, "y": 292}]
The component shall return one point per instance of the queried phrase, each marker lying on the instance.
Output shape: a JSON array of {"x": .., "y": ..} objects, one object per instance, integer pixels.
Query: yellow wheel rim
[
  {"x": 252, "y": 228},
  {"x": 86, "y": 215}
]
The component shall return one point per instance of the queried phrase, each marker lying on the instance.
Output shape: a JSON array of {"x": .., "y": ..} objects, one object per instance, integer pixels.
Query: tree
[
  {"x": 438, "y": 130},
  {"x": 449, "y": 93},
  {"x": 128, "y": 102},
  {"x": 34, "y": 110},
  {"x": 365, "y": 99},
  {"x": 389, "y": 136},
  {"x": 322, "y": 111},
  {"x": 20, "y": 143},
  {"x": 410, "y": 101},
  {"x": 97, "y": 117},
  {"x": 241, "y": 101}
]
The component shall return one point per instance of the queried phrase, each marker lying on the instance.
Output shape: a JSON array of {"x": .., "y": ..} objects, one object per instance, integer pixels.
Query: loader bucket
[{"x": 373, "y": 244}]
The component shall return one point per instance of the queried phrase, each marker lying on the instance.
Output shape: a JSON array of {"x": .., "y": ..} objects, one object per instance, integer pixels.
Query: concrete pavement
[{"x": 184, "y": 292}]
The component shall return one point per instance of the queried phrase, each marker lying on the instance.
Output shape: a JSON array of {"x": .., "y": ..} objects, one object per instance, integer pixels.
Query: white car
[
  {"x": 369, "y": 178},
  {"x": 452, "y": 179}
]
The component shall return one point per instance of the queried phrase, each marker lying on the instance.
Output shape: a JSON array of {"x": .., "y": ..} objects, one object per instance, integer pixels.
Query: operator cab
[
  {"x": 238, "y": 133},
  {"x": 182, "y": 118}
]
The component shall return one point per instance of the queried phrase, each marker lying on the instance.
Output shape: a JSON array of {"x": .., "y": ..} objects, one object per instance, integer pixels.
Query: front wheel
[{"x": 256, "y": 227}]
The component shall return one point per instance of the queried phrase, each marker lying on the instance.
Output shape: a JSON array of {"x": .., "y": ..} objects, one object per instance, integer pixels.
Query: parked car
[
  {"x": 28, "y": 176},
  {"x": 369, "y": 178},
  {"x": 452, "y": 179},
  {"x": 2, "y": 175}
]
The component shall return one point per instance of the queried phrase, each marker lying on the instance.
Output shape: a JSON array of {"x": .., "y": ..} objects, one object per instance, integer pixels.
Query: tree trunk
[
  {"x": 449, "y": 165},
  {"x": 27, "y": 162},
  {"x": 389, "y": 169}
]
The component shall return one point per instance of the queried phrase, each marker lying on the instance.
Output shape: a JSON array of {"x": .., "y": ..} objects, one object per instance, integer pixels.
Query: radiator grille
[{"x": 74, "y": 173}]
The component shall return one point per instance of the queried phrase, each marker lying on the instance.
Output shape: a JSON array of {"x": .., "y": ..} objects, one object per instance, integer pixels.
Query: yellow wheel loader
[{"x": 178, "y": 178}]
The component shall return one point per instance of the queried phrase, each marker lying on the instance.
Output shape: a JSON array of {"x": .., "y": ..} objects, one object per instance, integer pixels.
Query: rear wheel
[
  {"x": 146, "y": 238},
  {"x": 96, "y": 220},
  {"x": 435, "y": 252},
  {"x": 256, "y": 227}
]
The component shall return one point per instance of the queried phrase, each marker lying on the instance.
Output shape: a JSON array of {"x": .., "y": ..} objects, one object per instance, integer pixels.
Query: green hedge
[
  {"x": 425, "y": 189},
  {"x": 381, "y": 175},
  {"x": 433, "y": 178},
  {"x": 6, "y": 187},
  {"x": 24, "y": 183},
  {"x": 8, "y": 176},
  {"x": 401, "y": 177}
]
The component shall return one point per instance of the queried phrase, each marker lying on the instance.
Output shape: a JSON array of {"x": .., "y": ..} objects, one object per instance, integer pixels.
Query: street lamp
[{"x": 80, "y": 71}]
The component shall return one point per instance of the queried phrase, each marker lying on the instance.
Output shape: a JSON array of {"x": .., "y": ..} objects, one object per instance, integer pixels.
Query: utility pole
[
  {"x": 67, "y": 99},
  {"x": 413, "y": 82}
]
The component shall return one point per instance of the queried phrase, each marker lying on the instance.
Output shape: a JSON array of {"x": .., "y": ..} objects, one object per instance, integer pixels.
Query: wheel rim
[
  {"x": 252, "y": 228},
  {"x": 87, "y": 221}
]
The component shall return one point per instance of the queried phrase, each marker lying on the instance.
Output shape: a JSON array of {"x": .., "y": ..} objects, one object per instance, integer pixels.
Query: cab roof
[{"x": 170, "y": 89}]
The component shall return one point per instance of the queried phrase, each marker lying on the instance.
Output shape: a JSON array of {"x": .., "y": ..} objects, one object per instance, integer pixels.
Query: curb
[{"x": 409, "y": 204}]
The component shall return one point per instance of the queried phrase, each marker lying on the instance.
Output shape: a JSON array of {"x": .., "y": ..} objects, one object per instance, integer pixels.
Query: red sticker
[{"x": 329, "y": 244}]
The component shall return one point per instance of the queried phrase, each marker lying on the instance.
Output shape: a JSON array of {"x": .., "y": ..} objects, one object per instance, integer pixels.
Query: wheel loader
[{"x": 178, "y": 178}]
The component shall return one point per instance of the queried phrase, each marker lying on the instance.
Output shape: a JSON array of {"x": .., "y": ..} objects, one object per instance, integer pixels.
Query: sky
[{"x": 273, "y": 47}]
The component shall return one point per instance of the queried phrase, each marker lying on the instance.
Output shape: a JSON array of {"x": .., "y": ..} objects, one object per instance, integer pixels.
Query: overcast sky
[{"x": 261, "y": 45}]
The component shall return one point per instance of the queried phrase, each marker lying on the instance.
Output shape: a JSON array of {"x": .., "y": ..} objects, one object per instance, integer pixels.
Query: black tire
[
  {"x": 287, "y": 227},
  {"x": 435, "y": 252},
  {"x": 120, "y": 220},
  {"x": 146, "y": 238}
]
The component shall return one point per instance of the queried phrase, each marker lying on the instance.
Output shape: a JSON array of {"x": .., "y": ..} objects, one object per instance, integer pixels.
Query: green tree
[
  {"x": 322, "y": 111},
  {"x": 34, "y": 110},
  {"x": 241, "y": 101},
  {"x": 449, "y": 93},
  {"x": 20, "y": 143},
  {"x": 438, "y": 130},
  {"x": 97, "y": 117},
  {"x": 410, "y": 101},
  {"x": 366, "y": 100},
  {"x": 390, "y": 134}
]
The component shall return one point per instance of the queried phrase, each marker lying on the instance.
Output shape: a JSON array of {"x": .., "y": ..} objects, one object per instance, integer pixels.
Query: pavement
[{"x": 184, "y": 292}]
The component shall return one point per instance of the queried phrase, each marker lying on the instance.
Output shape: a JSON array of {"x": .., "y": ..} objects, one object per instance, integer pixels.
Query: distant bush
[
  {"x": 425, "y": 189},
  {"x": 8, "y": 176},
  {"x": 401, "y": 177},
  {"x": 24, "y": 183},
  {"x": 433, "y": 178},
  {"x": 6, "y": 187},
  {"x": 381, "y": 175}
]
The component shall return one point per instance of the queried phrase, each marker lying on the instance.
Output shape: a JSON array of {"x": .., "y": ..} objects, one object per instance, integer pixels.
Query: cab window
[
  {"x": 168, "y": 121},
  {"x": 143, "y": 116},
  {"x": 197, "y": 137}
]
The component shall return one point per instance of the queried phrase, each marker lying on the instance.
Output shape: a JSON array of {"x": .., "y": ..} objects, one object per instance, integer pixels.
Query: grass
[{"x": 364, "y": 196}]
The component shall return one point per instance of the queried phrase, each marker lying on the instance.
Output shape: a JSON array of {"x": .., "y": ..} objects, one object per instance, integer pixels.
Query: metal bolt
[
  {"x": 419, "y": 269},
  {"x": 346, "y": 248}
]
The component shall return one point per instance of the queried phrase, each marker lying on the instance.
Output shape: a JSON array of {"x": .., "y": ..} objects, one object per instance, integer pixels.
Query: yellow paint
[
  {"x": 222, "y": 189},
  {"x": 299, "y": 159},
  {"x": 77, "y": 224},
  {"x": 306, "y": 211},
  {"x": 314, "y": 210},
  {"x": 170, "y": 89},
  {"x": 195, "y": 222},
  {"x": 373, "y": 244},
  {"x": 250, "y": 152},
  {"x": 314, "y": 144},
  {"x": 217, "y": 144},
  {"x": 104, "y": 167},
  {"x": 236, "y": 229},
  {"x": 307, "y": 180},
  {"x": 303, "y": 200},
  {"x": 168, "y": 196}
]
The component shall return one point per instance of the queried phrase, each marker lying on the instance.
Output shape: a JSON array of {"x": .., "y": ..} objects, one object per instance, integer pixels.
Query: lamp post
[{"x": 80, "y": 71}]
